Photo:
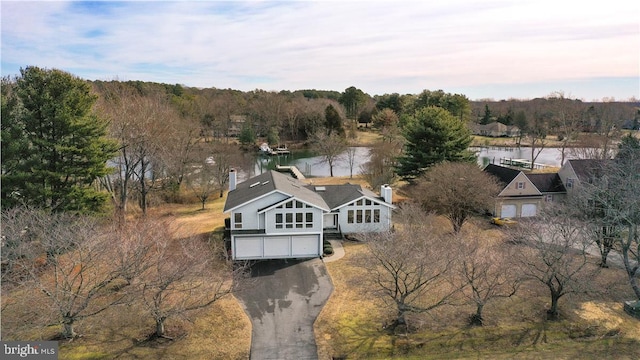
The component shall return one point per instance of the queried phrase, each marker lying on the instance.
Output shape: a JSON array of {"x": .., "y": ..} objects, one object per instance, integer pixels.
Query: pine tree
[
  {"x": 433, "y": 136},
  {"x": 64, "y": 145}
]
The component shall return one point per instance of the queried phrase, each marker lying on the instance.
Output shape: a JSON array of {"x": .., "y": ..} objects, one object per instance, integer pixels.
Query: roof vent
[{"x": 320, "y": 188}]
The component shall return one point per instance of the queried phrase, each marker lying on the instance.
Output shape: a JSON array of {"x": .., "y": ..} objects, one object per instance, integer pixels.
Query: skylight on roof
[
  {"x": 265, "y": 183},
  {"x": 320, "y": 188},
  {"x": 253, "y": 185}
]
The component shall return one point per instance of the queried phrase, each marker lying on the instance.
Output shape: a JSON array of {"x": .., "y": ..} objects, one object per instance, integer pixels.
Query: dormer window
[{"x": 520, "y": 185}]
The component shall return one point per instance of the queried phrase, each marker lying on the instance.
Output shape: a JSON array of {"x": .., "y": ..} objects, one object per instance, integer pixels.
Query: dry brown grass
[
  {"x": 594, "y": 326},
  {"x": 221, "y": 331},
  {"x": 368, "y": 137}
]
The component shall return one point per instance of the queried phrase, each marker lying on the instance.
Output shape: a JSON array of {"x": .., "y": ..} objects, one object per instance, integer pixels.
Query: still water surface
[{"x": 312, "y": 165}]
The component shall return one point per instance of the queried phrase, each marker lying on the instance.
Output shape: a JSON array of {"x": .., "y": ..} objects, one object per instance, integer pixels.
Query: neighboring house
[
  {"x": 496, "y": 129},
  {"x": 575, "y": 171},
  {"x": 523, "y": 194},
  {"x": 236, "y": 122},
  {"x": 274, "y": 216}
]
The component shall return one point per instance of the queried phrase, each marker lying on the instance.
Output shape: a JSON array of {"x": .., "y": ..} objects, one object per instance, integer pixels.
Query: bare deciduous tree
[
  {"x": 329, "y": 147},
  {"x": 554, "y": 254},
  {"x": 409, "y": 268},
  {"x": 485, "y": 273},
  {"x": 456, "y": 191},
  {"x": 350, "y": 157},
  {"x": 383, "y": 156},
  {"x": 186, "y": 275},
  {"x": 615, "y": 192},
  {"x": 67, "y": 260}
]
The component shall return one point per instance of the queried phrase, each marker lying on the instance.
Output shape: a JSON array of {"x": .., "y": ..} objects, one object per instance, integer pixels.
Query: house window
[
  {"x": 289, "y": 220},
  {"x": 289, "y": 205},
  {"x": 299, "y": 205},
  {"x": 359, "y": 216},
  {"x": 309, "y": 220},
  {"x": 367, "y": 215},
  {"x": 299, "y": 222},
  {"x": 367, "y": 202},
  {"x": 279, "y": 224},
  {"x": 548, "y": 198},
  {"x": 376, "y": 215},
  {"x": 359, "y": 202},
  {"x": 520, "y": 185},
  {"x": 237, "y": 220},
  {"x": 569, "y": 183},
  {"x": 350, "y": 216}
]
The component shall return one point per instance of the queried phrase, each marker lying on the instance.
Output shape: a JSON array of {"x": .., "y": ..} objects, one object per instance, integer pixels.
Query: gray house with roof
[
  {"x": 274, "y": 216},
  {"x": 524, "y": 194}
]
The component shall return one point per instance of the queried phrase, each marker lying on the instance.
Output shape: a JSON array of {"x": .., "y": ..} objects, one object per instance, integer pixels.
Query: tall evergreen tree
[
  {"x": 333, "y": 121},
  {"x": 433, "y": 136},
  {"x": 486, "y": 118},
  {"x": 63, "y": 144}
]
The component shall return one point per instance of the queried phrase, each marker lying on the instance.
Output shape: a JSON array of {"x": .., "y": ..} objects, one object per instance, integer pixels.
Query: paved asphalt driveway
[{"x": 283, "y": 303}]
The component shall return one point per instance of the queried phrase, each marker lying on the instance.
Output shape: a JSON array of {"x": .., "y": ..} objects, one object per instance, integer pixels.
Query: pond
[
  {"x": 312, "y": 165},
  {"x": 487, "y": 155}
]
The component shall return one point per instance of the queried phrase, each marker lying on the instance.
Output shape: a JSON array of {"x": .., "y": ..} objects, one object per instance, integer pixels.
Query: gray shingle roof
[
  {"x": 268, "y": 182},
  {"x": 504, "y": 174},
  {"x": 547, "y": 183},
  {"x": 338, "y": 195},
  {"x": 586, "y": 168}
]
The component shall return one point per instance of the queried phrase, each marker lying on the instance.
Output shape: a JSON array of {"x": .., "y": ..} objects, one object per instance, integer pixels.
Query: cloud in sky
[{"x": 483, "y": 49}]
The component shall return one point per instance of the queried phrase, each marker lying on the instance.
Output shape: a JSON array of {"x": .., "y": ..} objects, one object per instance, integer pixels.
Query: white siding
[
  {"x": 359, "y": 224},
  {"x": 250, "y": 217}
]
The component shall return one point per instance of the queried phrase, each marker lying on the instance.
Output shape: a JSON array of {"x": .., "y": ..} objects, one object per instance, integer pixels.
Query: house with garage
[
  {"x": 523, "y": 193},
  {"x": 573, "y": 172},
  {"x": 275, "y": 216}
]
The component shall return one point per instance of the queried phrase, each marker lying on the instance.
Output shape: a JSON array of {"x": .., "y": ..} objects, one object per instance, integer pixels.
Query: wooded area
[{"x": 85, "y": 162}]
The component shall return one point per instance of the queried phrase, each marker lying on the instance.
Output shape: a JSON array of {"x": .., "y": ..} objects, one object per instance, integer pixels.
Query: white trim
[
  {"x": 512, "y": 181},
  {"x": 271, "y": 207},
  {"x": 254, "y": 199},
  {"x": 377, "y": 201}
]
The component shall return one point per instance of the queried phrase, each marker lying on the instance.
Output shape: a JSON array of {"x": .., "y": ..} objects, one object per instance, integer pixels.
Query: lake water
[
  {"x": 487, "y": 155},
  {"x": 313, "y": 166}
]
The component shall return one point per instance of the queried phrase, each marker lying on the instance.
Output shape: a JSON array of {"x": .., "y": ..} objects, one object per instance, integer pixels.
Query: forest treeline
[{"x": 60, "y": 133}]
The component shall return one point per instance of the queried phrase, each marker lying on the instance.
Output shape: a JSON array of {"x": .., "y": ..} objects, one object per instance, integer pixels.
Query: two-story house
[
  {"x": 579, "y": 170},
  {"x": 523, "y": 194},
  {"x": 274, "y": 216}
]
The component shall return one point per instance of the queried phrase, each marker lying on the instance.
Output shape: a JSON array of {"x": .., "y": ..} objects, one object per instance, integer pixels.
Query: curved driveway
[{"x": 283, "y": 303}]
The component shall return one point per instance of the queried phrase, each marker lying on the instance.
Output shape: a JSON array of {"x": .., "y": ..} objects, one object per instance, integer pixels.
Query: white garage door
[
  {"x": 276, "y": 247},
  {"x": 529, "y": 210},
  {"x": 508, "y": 211}
]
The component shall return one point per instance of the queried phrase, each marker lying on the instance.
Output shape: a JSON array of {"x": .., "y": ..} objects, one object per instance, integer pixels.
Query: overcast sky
[{"x": 483, "y": 49}]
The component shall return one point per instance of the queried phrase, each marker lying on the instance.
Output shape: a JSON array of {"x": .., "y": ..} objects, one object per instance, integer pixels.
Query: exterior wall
[
  {"x": 250, "y": 216},
  {"x": 540, "y": 201},
  {"x": 568, "y": 177},
  {"x": 364, "y": 207},
  {"x": 298, "y": 217},
  {"x": 249, "y": 247},
  {"x": 528, "y": 188},
  {"x": 518, "y": 202}
]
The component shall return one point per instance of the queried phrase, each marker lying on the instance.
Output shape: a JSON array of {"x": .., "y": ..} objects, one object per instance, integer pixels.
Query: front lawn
[{"x": 352, "y": 323}]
